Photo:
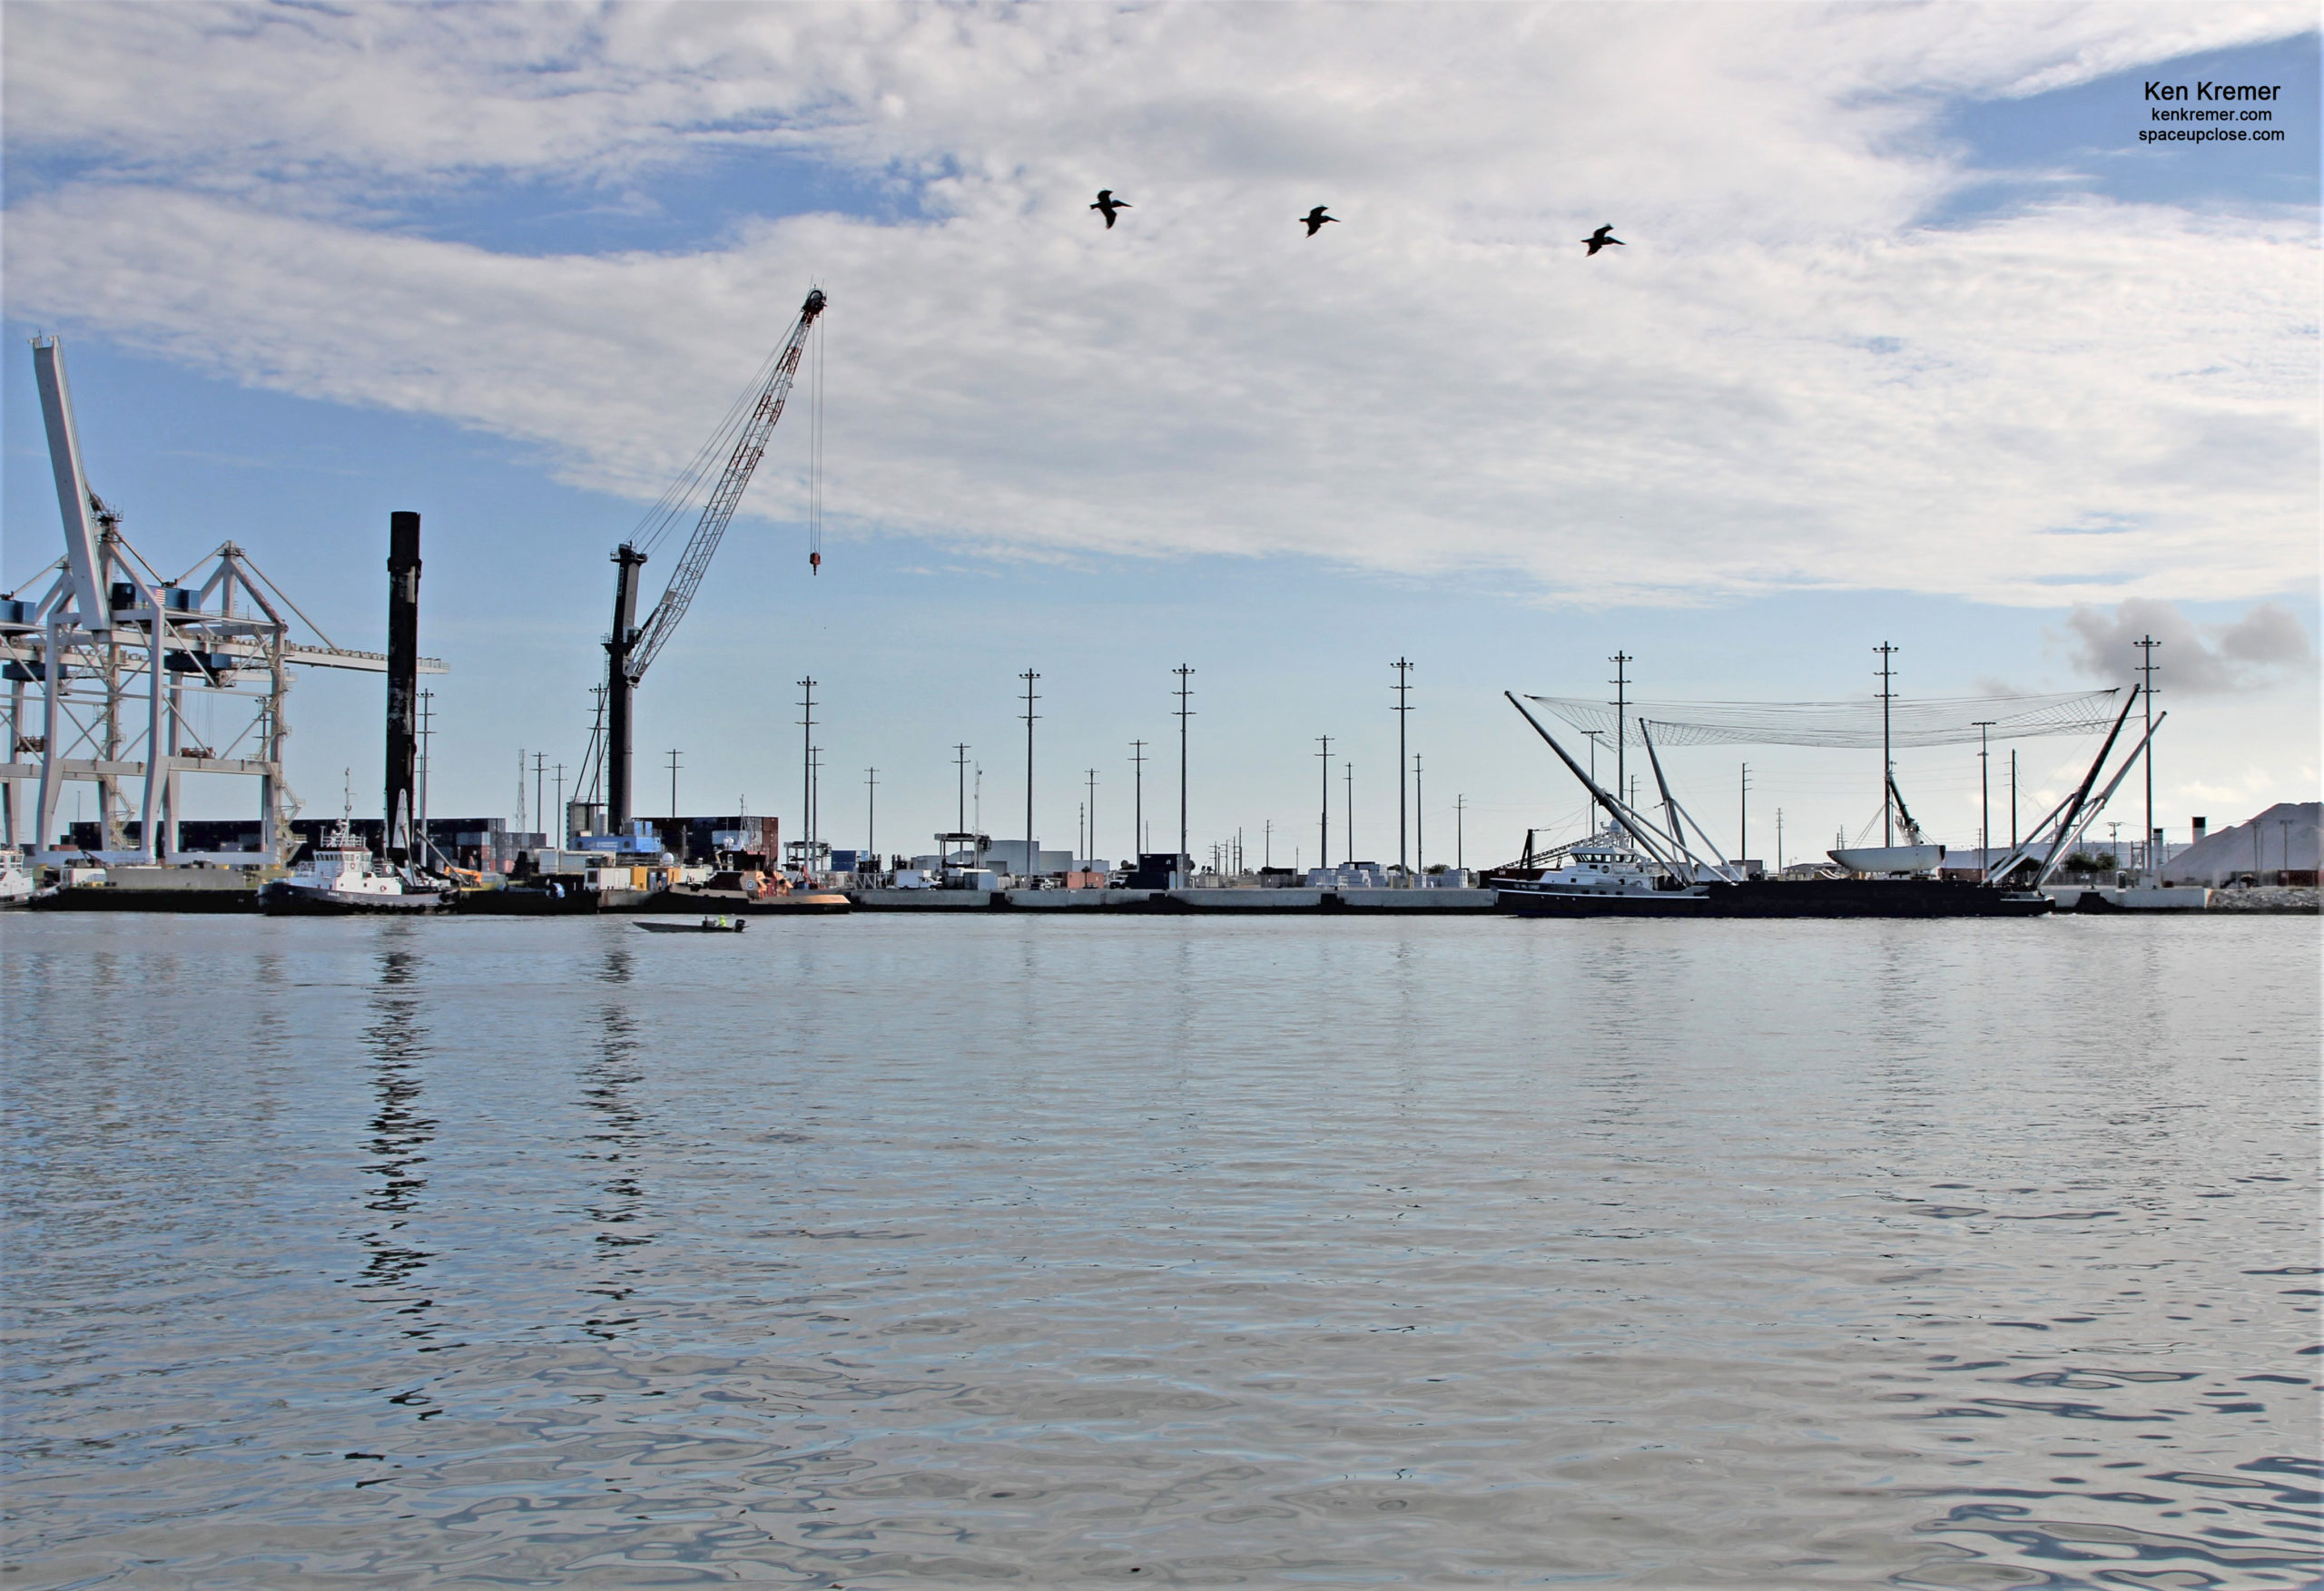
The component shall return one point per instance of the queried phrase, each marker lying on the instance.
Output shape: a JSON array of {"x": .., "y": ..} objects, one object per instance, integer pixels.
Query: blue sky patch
[{"x": 2084, "y": 141}]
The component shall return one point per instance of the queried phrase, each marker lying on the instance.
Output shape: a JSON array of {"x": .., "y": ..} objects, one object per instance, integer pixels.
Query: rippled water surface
[{"x": 891, "y": 1250}]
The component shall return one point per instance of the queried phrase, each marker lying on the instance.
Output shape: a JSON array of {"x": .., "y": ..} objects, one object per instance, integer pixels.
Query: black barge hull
[{"x": 1769, "y": 897}]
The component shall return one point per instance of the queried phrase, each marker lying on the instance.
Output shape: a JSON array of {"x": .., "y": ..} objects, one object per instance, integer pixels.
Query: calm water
[{"x": 891, "y": 1251}]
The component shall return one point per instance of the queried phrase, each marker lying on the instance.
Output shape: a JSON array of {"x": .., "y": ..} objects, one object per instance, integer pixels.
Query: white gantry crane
[{"x": 106, "y": 662}]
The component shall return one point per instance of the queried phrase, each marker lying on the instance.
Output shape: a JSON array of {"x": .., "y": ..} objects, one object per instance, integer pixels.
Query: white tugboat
[
  {"x": 16, "y": 882},
  {"x": 342, "y": 878}
]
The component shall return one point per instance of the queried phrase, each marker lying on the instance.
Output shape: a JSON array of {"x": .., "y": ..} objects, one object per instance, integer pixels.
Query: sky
[{"x": 1910, "y": 339}]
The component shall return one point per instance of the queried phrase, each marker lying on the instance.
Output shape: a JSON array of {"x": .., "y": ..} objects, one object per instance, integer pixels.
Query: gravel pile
[{"x": 2268, "y": 897}]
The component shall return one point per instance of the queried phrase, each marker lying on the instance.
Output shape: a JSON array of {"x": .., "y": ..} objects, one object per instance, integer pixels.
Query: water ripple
[{"x": 879, "y": 1251}]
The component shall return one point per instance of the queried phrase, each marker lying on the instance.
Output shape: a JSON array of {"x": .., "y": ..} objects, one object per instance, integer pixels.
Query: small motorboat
[{"x": 709, "y": 925}]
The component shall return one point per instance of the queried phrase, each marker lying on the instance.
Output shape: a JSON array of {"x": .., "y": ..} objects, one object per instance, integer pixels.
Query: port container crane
[{"x": 631, "y": 648}]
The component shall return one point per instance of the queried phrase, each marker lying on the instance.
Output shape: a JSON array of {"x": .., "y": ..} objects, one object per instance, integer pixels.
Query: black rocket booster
[{"x": 403, "y": 684}]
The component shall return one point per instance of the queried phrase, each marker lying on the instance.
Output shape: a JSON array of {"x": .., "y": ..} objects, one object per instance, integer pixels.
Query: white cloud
[{"x": 1780, "y": 381}]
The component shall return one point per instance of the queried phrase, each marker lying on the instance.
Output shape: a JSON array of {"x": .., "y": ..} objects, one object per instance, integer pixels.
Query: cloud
[
  {"x": 2264, "y": 641},
  {"x": 1782, "y": 382}
]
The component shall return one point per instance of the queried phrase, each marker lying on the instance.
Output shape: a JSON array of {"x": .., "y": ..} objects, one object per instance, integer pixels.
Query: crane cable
[
  {"x": 683, "y": 495},
  {"x": 815, "y": 460}
]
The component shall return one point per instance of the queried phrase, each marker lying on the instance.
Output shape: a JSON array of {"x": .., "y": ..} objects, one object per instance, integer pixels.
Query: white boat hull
[{"x": 1890, "y": 859}]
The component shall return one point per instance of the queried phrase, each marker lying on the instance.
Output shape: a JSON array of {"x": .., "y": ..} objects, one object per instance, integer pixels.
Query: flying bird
[
  {"x": 1602, "y": 236},
  {"x": 1107, "y": 203},
  {"x": 1315, "y": 219}
]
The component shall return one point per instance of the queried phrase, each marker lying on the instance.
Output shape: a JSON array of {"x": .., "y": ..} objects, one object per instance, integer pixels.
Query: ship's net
[{"x": 1938, "y": 722}]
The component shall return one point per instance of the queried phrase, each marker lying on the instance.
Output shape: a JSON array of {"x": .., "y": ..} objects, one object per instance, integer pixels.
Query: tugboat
[
  {"x": 16, "y": 883},
  {"x": 341, "y": 879}
]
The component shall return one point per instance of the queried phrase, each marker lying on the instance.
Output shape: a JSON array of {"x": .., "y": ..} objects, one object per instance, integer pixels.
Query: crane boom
[{"x": 749, "y": 447}]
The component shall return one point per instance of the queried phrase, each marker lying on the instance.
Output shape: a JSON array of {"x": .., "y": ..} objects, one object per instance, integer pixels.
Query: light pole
[{"x": 872, "y": 812}]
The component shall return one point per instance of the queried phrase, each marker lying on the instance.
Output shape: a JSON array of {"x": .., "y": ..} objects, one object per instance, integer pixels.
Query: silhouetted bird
[
  {"x": 1602, "y": 236},
  {"x": 1315, "y": 219},
  {"x": 1107, "y": 203}
]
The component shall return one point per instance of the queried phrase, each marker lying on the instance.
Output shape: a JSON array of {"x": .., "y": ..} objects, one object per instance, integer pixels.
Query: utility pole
[
  {"x": 1984, "y": 791},
  {"x": 1138, "y": 808},
  {"x": 1403, "y": 677},
  {"x": 1887, "y": 767},
  {"x": 1622, "y": 683},
  {"x": 1420, "y": 821},
  {"x": 674, "y": 781},
  {"x": 1184, "y": 674},
  {"x": 1266, "y": 845},
  {"x": 520, "y": 789},
  {"x": 540, "y": 772},
  {"x": 961, "y": 771},
  {"x": 872, "y": 812},
  {"x": 815, "y": 793},
  {"x": 1324, "y": 856},
  {"x": 1460, "y": 811},
  {"x": 564, "y": 818},
  {"x": 1778, "y": 843},
  {"x": 1090, "y": 854},
  {"x": 2146, "y": 644},
  {"x": 1743, "y": 817},
  {"x": 807, "y": 763},
  {"x": 1349, "y": 840},
  {"x": 427, "y": 734},
  {"x": 1028, "y": 676}
]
